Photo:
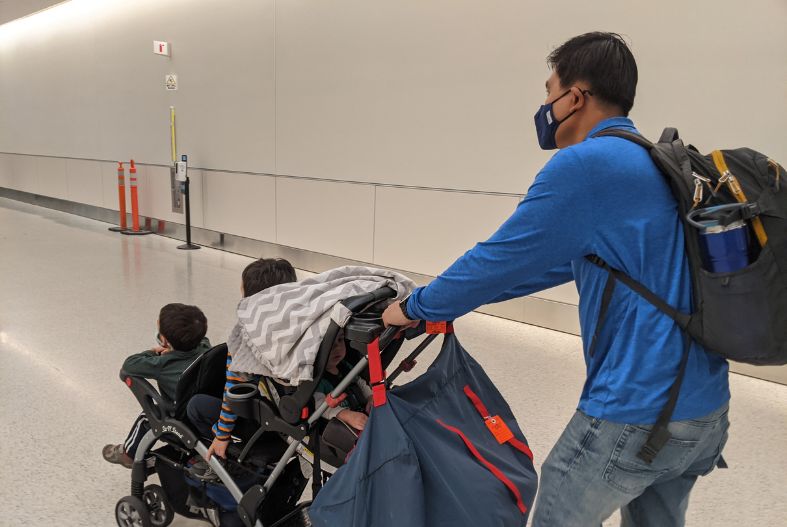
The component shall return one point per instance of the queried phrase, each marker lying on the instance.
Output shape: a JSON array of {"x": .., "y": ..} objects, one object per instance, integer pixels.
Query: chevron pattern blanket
[{"x": 279, "y": 330}]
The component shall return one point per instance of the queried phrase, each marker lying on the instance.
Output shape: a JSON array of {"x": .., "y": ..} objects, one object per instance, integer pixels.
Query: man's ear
[
  {"x": 577, "y": 99},
  {"x": 165, "y": 342}
]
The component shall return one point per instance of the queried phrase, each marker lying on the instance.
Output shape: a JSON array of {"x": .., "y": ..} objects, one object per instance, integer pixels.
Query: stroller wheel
[
  {"x": 131, "y": 512},
  {"x": 161, "y": 513}
]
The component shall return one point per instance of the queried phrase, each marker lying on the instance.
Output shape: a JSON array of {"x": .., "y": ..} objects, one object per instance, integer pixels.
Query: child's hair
[
  {"x": 183, "y": 326},
  {"x": 265, "y": 273}
]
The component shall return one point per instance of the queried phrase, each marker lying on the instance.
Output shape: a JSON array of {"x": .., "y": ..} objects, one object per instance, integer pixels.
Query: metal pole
[{"x": 188, "y": 245}]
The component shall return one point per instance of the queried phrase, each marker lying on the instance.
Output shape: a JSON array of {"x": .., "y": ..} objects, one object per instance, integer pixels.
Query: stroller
[
  {"x": 288, "y": 414},
  {"x": 287, "y": 425},
  {"x": 182, "y": 490}
]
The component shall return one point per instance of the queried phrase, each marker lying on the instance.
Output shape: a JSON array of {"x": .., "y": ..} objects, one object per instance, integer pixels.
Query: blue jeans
[{"x": 593, "y": 470}]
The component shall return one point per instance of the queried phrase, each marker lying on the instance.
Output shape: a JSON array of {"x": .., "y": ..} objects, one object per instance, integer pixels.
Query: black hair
[
  {"x": 604, "y": 61},
  {"x": 265, "y": 273},
  {"x": 183, "y": 326}
]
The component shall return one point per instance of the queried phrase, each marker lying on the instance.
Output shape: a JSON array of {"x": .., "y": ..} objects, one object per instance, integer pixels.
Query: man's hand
[
  {"x": 356, "y": 420},
  {"x": 218, "y": 448},
  {"x": 393, "y": 316},
  {"x": 159, "y": 350}
]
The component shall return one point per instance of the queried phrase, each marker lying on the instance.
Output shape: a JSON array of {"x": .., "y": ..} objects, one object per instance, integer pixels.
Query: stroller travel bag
[{"x": 444, "y": 450}]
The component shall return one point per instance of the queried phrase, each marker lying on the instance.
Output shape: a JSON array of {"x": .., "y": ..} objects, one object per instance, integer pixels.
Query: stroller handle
[{"x": 388, "y": 336}]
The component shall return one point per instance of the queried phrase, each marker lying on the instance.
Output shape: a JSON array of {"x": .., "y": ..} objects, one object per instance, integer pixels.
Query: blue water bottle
[{"x": 724, "y": 247}]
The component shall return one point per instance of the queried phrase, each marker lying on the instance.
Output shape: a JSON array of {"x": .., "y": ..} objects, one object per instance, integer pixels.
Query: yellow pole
[{"x": 172, "y": 133}]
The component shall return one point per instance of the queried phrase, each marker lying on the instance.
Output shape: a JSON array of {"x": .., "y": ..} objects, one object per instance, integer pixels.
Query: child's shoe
[{"x": 115, "y": 454}]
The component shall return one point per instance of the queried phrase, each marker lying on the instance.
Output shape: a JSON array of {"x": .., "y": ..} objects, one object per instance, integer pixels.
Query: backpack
[{"x": 740, "y": 315}]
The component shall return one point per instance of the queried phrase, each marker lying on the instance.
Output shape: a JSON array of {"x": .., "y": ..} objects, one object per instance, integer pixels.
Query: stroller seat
[{"x": 204, "y": 375}]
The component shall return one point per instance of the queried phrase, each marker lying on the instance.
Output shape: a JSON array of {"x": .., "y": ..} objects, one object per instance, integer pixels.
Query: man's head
[
  {"x": 265, "y": 273},
  {"x": 594, "y": 77},
  {"x": 182, "y": 327}
]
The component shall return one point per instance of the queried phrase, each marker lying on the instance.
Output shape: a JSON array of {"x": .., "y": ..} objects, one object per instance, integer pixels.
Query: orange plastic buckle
[
  {"x": 333, "y": 403},
  {"x": 439, "y": 328}
]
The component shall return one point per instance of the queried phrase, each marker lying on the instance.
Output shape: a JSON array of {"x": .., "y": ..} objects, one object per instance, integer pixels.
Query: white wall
[
  {"x": 12, "y": 9},
  {"x": 377, "y": 113}
]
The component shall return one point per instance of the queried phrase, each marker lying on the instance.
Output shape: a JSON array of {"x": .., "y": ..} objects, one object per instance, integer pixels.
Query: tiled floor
[{"x": 76, "y": 299}]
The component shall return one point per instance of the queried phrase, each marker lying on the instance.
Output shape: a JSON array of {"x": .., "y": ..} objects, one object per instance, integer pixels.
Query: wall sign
[
  {"x": 161, "y": 48},
  {"x": 171, "y": 82}
]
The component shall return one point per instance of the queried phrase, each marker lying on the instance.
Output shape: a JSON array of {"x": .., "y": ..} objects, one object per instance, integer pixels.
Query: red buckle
[
  {"x": 305, "y": 413},
  {"x": 333, "y": 403},
  {"x": 439, "y": 328}
]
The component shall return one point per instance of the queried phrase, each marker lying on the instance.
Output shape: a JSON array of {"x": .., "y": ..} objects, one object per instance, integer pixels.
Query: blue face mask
[{"x": 546, "y": 123}]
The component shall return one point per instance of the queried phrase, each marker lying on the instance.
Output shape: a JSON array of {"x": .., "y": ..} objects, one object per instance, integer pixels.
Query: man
[{"x": 601, "y": 196}]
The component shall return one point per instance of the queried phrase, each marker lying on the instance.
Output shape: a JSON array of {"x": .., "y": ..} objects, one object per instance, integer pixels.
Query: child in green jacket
[{"x": 180, "y": 340}]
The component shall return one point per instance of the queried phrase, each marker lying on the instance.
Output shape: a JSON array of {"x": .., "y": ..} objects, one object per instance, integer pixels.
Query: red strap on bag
[
  {"x": 439, "y": 328},
  {"x": 489, "y": 466},
  {"x": 496, "y": 425},
  {"x": 376, "y": 374}
]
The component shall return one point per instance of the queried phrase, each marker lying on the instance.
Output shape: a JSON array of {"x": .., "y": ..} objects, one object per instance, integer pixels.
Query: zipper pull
[
  {"x": 708, "y": 182},
  {"x": 722, "y": 180},
  {"x": 697, "y": 193}
]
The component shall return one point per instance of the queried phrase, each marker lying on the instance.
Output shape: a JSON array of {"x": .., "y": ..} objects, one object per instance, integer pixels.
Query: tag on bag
[{"x": 499, "y": 429}]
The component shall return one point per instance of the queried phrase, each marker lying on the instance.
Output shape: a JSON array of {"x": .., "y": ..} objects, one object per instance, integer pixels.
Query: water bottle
[{"x": 724, "y": 248}]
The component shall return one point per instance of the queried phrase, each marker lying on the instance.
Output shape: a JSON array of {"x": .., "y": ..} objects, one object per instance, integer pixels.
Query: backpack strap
[
  {"x": 737, "y": 191},
  {"x": 680, "y": 318},
  {"x": 659, "y": 434},
  {"x": 625, "y": 134},
  {"x": 606, "y": 299},
  {"x": 669, "y": 135}
]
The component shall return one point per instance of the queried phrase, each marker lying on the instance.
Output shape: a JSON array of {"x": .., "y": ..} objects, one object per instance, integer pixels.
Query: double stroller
[{"x": 262, "y": 479}]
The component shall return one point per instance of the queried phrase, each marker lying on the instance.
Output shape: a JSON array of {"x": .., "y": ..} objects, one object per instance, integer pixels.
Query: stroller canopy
[{"x": 280, "y": 329}]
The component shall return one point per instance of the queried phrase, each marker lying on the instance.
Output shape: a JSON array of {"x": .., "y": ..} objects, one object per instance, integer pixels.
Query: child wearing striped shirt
[{"x": 212, "y": 416}]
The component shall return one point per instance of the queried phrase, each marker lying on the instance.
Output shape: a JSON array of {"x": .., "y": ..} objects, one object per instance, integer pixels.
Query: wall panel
[
  {"x": 425, "y": 231},
  {"x": 51, "y": 178},
  {"x": 241, "y": 204},
  {"x": 24, "y": 174},
  {"x": 326, "y": 217},
  {"x": 6, "y": 166},
  {"x": 85, "y": 182}
]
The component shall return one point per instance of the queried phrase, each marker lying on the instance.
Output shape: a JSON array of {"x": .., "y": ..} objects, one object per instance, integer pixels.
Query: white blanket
[{"x": 280, "y": 329}]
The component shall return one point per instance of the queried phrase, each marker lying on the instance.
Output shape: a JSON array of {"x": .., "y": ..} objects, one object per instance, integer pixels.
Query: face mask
[{"x": 546, "y": 123}]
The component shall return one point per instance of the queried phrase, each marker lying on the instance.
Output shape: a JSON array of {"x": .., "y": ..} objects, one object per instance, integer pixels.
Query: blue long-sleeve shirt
[{"x": 602, "y": 196}]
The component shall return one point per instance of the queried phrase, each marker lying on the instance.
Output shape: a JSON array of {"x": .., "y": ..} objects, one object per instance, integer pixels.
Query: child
[
  {"x": 358, "y": 393},
  {"x": 212, "y": 416},
  {"x": 180, "y": 340}
]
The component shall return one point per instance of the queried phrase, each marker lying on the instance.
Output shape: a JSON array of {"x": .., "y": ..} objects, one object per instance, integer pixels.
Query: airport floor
[{"x": 76, "y": 299}]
